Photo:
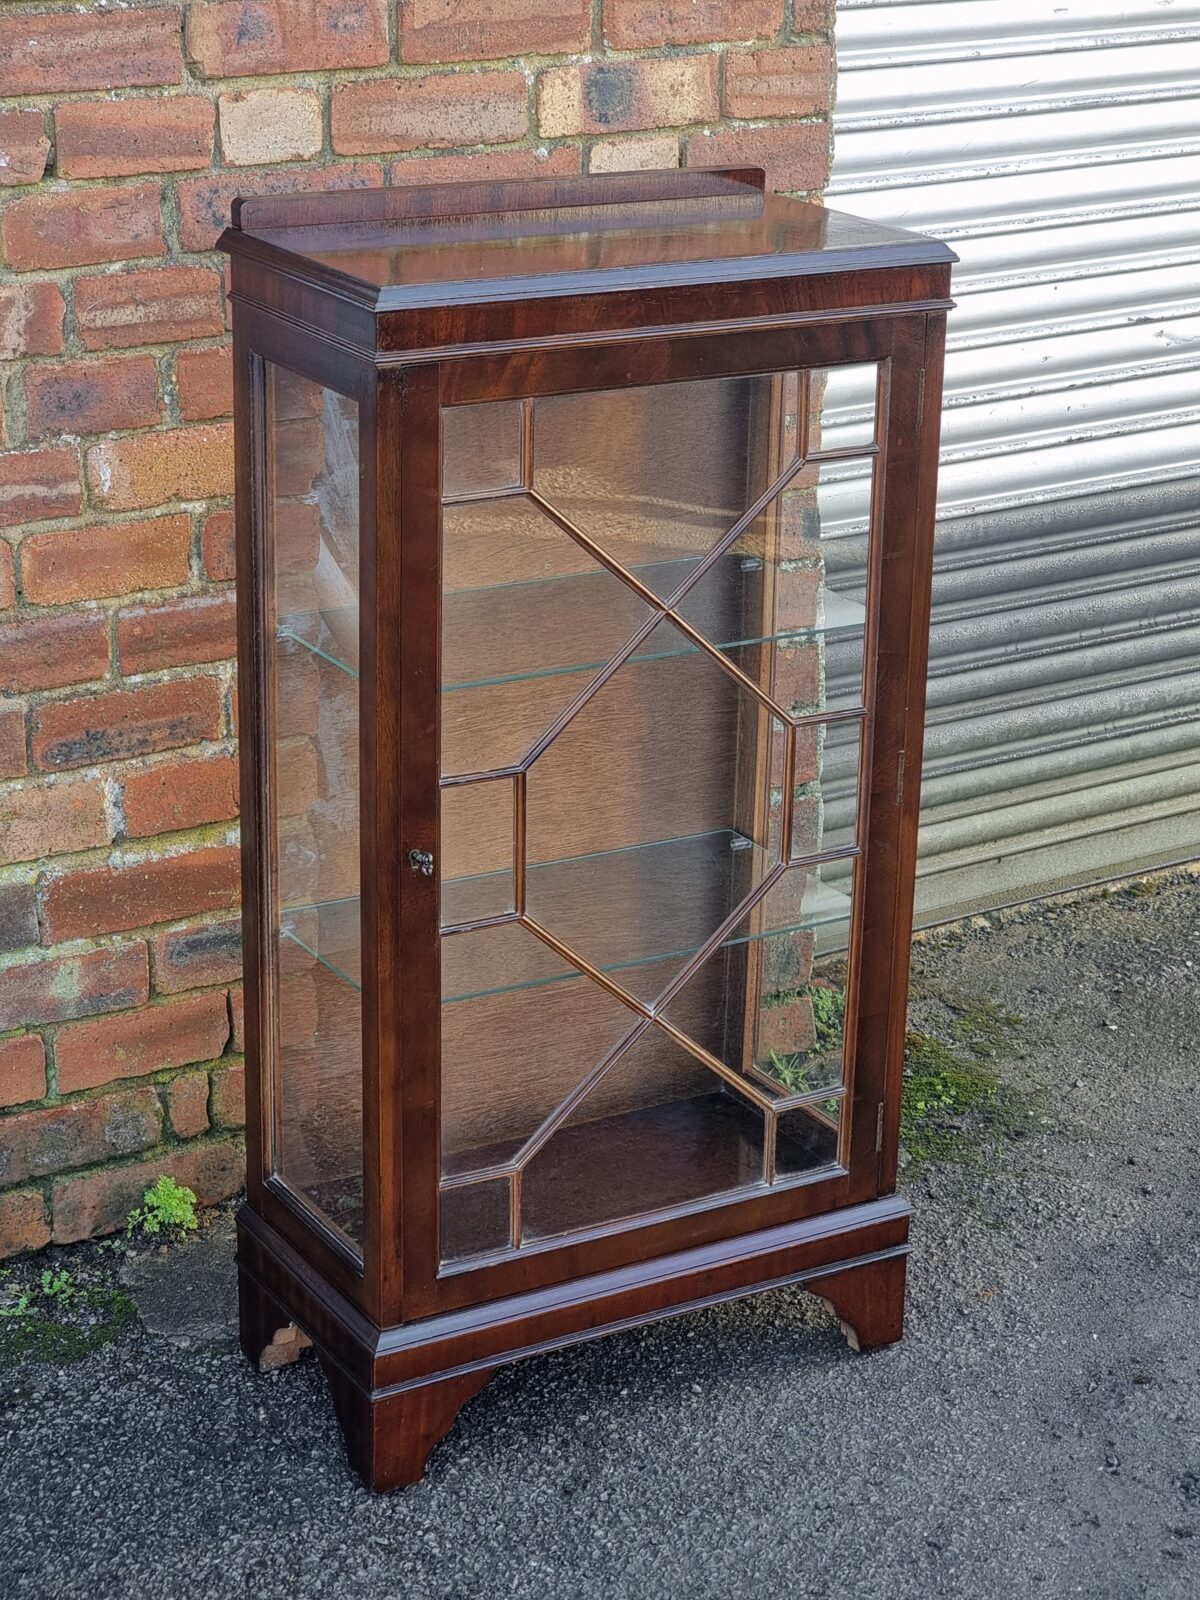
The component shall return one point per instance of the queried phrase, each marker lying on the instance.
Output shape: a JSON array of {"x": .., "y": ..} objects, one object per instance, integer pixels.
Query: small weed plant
[
  {"x": 167, "y": 1211},
  {"x": 54, "y": 1318}
]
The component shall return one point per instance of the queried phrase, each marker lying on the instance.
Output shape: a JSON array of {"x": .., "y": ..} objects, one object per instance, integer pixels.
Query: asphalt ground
[{"x": 1035, "y": 1433}]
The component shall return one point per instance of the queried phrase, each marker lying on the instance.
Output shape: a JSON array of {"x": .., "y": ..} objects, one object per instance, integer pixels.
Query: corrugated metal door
[{"x": 1057, "y": 147}]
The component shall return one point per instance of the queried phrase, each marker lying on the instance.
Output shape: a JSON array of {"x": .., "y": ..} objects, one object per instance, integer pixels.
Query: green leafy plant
[
  {"x": 59, "y": 1288},
  {"x": 19, "y": 1302},
  {"x": 804, "y": 1070},
  {"x": 167, "y": 1208},
  {"x": 829, "y": 1015}
]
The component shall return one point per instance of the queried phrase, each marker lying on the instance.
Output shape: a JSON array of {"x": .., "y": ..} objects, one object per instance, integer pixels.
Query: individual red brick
[
  {"x": 48, "y": 652},
  {"x": 218, "y": 546},
  {"x": 60, "y": 988},
  {"x": 796, "y": 160},
  {"x": 561, "y": 161},
  {"x": 204, "y": 202},
  {"x": 18, "y": 915},
  {"x": 779, "y": 83},
  {"x": 92, "y": 900},
  {"x": 92, "y": 396},
  {"x": 23, "y": 147},
  {"x": 50, "y": 53},
  {"x": 448, "y": 30},
  {"x": 237, "y": 1014},
  {"x": 156, "y": 306},
  {"x": 177, "y": 633},
  {"x": 35, "y": 484},
  {"x": 617, "y": 95},
  {"x": 636, "y": 24},
  {"x": 22, "y": 1070},
  {"x": 172, "y": 1034},
  {"x": 187, "y": 1104},
  {"x": 100, "y": 1202},
  {"x": 23, "y": 1224},
  {"x": 31, "y": 320},
  {"x": 300, "y": 788},
  {"x": 179, "y": 794},
  {"x": 56, "y": 1138},
  {"x": 146, "y": 469},
  {"x": 8, "y": 581},
  {"x": 297, "y": 461},
  {"x": 125, "y": 722},
  {"x": 450, "y": 108},
  {"x": 187, "y": 958},
  {"x": 787, "y": 1029},
  {"x": 76, "y": 226},
  {"x": 229, "y": 1097},
  {"x": 259, "y": 126},
  {"x": 12, "y": 743},
  {"x": 47, "y": 819},
  {"x": 205, "y": 382},
  {"x": 117, "y": 558},
  {"x": 813, "y": 16},
  {"x": 634, "y": 155},
  {"x": 121, "y": 138},
  {"x": 237, "y": 38}
]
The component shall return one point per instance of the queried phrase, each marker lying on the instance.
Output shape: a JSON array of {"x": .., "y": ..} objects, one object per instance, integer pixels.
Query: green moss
[
  {"x": 952, "y": 1101},
  {"x": 55, "y": 1320}
]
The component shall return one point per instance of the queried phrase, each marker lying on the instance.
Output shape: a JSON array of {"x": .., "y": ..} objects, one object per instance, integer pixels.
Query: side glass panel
[
  {"x": 313, "y": 548},
  {"x": 655, "y": 728}
]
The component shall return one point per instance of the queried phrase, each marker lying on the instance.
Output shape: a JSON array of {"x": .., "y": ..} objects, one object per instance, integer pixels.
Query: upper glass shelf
[{"x": 505, "y": 652}]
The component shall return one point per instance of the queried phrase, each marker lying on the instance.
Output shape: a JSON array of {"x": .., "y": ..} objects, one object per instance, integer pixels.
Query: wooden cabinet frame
[{"x": 404, "y": 1338}]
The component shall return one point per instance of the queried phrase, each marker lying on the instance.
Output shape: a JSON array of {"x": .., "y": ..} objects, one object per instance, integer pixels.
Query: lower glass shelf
[{"x": 566, "y": 892}]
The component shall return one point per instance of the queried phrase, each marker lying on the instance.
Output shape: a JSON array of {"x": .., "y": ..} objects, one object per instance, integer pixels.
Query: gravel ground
[{"x": 1034, "y": 1434}]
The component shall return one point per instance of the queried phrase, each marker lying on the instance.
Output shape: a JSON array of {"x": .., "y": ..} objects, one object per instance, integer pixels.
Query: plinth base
[{"x": 397, "y": 1390}]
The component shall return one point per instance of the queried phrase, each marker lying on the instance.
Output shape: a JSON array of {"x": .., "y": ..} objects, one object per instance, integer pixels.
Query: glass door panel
[
  {"x": 312, "y": 553},
  {"x": 655, "y": 656}
]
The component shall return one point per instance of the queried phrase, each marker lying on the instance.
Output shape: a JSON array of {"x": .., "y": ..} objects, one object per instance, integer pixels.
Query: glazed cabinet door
[{"x": 658, "y": 628}]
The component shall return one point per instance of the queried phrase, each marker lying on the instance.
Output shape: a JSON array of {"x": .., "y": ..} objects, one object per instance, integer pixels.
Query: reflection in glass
[
  {"x": 654, "y": 649},
  {"x": 477, "y": 850},
  {"x": 312, "y": 526},
  {"x": 476, "y": 1219},
  {"x": 775, "y": 986},
  {"x": 844, "y": 398},
  {"x": 664, "y": 1133},
  {"x": 617, "y": 903},
  {"x": 521, "y": 1028}
]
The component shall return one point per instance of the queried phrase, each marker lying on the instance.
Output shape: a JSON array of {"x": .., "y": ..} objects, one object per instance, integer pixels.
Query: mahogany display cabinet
[{"x": 584, "y": 541}]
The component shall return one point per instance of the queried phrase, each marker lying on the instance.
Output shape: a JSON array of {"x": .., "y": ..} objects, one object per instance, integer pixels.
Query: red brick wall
[{"x": 124, "y": 133}]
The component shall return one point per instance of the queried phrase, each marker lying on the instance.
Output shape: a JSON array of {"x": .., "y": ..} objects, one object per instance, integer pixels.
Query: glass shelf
[
  {"x": 495, "y": 626},
  {"x": 566, "y": 890},
  {"x": 841, "y": 616}
]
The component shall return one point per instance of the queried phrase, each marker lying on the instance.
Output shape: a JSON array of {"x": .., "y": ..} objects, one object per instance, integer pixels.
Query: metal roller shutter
[{"x": 1057, "y": 147}]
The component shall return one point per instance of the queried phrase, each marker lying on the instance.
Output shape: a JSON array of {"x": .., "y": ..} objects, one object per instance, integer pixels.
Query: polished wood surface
[{"x": 415, "y": 303}]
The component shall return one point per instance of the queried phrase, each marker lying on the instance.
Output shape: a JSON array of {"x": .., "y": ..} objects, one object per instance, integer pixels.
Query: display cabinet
[{"x": 584, "y": 541}]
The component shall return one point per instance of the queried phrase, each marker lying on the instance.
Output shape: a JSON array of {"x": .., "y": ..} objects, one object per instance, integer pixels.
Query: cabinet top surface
[{"x": 447, "y": 243}]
